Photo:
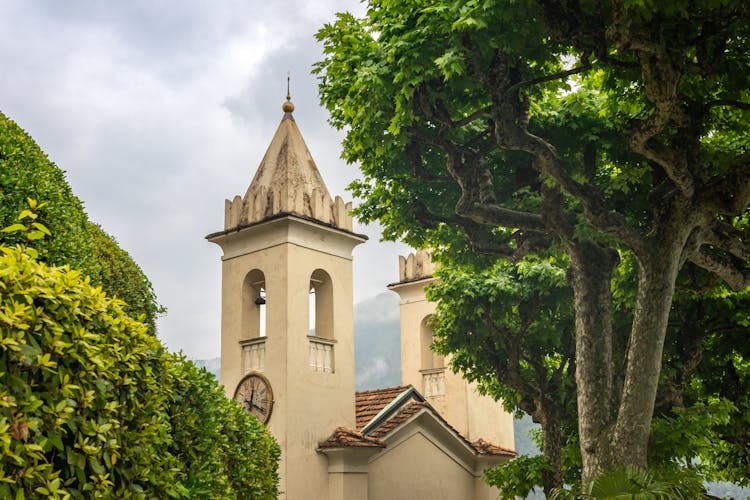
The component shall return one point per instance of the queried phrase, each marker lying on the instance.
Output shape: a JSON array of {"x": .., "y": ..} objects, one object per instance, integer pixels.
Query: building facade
[{"x": 287, "y": 351}]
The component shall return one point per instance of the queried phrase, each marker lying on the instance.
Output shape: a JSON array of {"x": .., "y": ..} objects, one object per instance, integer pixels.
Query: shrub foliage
[
  {"x": 26, "y": 172},
  {"x": 92, "y": 406}
]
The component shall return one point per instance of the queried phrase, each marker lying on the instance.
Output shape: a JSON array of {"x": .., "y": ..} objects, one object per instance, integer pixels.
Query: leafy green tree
[
  {"x": 26, "y": 172},
  {"x": 510, "y": 329},
  {"x": 596, "y": 129},
  {"x": 703, "y": 407}
]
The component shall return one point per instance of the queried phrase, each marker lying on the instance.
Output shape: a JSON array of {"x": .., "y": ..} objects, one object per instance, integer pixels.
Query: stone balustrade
[
  {"x": 254, "y": 354},
  {"x": 321, "y": 354},
  {"x": 433, "y": 382}
]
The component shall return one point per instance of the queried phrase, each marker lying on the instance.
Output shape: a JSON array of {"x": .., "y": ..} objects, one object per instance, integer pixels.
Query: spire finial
[{"x": 288, "y": 107}]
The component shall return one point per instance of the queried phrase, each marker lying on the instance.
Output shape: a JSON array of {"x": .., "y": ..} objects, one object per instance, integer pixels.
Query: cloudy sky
[{"x": 158, "y": 111}]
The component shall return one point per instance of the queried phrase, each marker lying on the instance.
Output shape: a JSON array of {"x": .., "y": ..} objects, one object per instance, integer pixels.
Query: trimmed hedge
[
  {"x": 26, "y": 172},
  {"x": 225, "y": 453},
  {"x": 92, "y": 406}
]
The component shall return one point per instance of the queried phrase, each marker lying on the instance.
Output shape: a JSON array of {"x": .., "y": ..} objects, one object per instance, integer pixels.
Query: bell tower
[
  {"x": 287, "y": 307},
  {"x": 473, "y": 415}
]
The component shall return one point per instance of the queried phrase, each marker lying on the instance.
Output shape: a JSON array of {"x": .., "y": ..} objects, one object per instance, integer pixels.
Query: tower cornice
[{"x": 286, "y": 228}]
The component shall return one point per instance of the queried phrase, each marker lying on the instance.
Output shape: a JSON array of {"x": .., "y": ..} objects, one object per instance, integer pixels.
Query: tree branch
[
  {"x": 548, "y": 78},
  {"x": 737, "y": 279},
  {"x": 728, "y": 102},
  {"x": 477, "y": 198},
  {"x": 473, "y": 116},
  {"x": 727, "y": 238},
  {"x": 510, "y": 115},
  {"x": 662, "y": 71}
]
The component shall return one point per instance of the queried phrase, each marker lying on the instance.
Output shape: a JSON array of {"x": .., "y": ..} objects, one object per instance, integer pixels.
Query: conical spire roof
[
  {"x": 288, "y": 181},
  {"x": 288, "y": 166}
]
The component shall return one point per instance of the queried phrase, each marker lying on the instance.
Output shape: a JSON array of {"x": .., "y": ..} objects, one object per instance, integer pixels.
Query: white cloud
[{"x": 159, "y": 111}]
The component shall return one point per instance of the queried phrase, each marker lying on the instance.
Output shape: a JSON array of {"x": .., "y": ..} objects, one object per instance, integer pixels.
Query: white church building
[{"x": 285, "y": 239}]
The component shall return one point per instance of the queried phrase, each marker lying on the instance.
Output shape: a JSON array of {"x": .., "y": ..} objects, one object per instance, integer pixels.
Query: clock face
[{"x": 255, "y": 395}]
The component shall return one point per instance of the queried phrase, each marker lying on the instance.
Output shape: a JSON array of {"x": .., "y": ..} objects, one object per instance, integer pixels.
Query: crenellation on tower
[
  {"x": 415, "y": 266},
  {"x": 262, "y": 203}
]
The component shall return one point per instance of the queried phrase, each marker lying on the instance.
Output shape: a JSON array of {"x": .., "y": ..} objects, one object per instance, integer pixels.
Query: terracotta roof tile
[
  {"x": 369, "y": 403},
  {"x": 486, "y": 448},
  {"x": 404, "y": 414},
  {"x": 347, "y": 438}
]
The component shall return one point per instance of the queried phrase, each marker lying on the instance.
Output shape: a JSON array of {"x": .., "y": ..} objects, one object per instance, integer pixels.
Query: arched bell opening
[
  {"x": 321, "y": 305},
  {"x": 254, "y": 305},
  {"x": 320, "y": 323},
  {"x": 429, "y": 359}
]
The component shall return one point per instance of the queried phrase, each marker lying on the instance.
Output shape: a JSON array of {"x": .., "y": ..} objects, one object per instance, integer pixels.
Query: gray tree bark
[{"x": 591, "y": 272}]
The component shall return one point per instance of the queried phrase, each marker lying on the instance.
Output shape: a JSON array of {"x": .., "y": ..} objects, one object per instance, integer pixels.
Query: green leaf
[
  {"x": 14, "y": 228},
  {"x": 42, "y": 228}
]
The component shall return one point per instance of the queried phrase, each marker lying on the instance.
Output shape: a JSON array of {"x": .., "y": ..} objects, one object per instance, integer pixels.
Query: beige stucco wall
[
  {"x": 308, "y": 404},
  {"x": 418, "y": 469},
  {"x": 473, "y": 415},
  {"x": 348, "y": 472}
]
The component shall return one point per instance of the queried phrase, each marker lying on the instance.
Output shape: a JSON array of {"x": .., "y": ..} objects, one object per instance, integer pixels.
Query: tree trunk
[
  {"x": 592, "y": 267},
  {"x": 551, "y": 436},
  {"x": 657, "y": 273}
]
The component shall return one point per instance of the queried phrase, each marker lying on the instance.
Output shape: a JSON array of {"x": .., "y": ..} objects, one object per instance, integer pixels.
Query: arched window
[
  {"x": 254, "y": 305},
  {"x": 429, "y": 359},
  {"x": 321, "y": 305}
]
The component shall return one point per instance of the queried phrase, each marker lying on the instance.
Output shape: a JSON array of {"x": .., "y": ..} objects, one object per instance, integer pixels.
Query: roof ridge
[
  {"x": 392, "y": 407},
  {"x": 412, "y": 408},
  {"x": 485, "y": 447},
  {"x": 384, "y": 389}
]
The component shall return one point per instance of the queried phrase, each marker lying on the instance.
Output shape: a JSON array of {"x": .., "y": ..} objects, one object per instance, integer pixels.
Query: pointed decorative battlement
[
  {"x": 415, "y": 266},
  {"x": 287, "y": 182}
]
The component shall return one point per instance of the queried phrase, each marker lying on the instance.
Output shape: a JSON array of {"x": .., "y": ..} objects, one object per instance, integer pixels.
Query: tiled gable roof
[
  {"x": 404, "y": 414},
  {"x": 369, "y": 404},
  {"x": 347, "y": 438}
]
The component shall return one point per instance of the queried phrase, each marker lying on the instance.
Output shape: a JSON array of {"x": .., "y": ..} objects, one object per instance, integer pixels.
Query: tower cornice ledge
[{"x": 286, "y": 228}]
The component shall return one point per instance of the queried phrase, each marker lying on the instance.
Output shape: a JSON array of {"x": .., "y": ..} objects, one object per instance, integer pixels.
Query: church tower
[
  {"x": 287, "y": 342},
  {"x": 473, "y": 415}
]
